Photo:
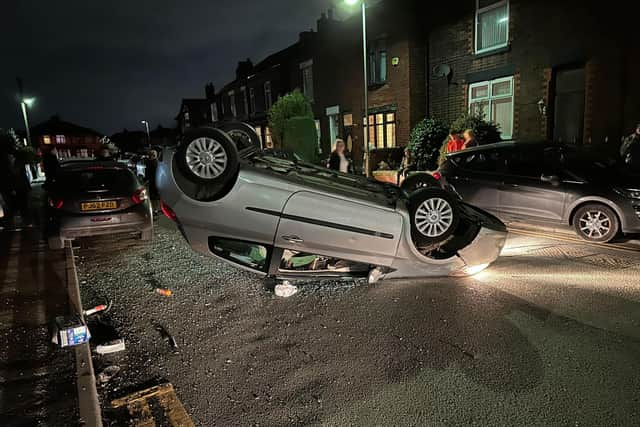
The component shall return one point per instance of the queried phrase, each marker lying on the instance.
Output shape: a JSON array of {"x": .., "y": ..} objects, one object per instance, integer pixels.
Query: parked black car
[{"x": 548, "y": 184}]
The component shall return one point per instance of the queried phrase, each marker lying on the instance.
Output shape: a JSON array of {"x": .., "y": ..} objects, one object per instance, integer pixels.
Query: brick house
[
  {"x": 545, "y": 69},
  {"x": 70, "y": 140}
]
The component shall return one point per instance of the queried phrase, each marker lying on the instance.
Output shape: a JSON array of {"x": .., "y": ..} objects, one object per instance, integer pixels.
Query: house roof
[
  {"x": 56, "y": 126},
  {"x": 193, "y": 103}
]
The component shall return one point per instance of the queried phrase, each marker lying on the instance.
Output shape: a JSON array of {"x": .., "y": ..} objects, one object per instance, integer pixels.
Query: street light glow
[
  {"x": 351, "y": 2},
  {"x": 29, "y": 101}
]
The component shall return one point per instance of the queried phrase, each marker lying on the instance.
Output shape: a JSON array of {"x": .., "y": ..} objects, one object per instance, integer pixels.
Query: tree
[
  {"x": 425, "y": 142},
  {"x": 294, "y": 104}
]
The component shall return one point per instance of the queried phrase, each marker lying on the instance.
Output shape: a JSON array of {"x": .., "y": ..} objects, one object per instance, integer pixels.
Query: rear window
[
  {"x": 481, "y": 161},
  {"x": 110, "y": 179}
]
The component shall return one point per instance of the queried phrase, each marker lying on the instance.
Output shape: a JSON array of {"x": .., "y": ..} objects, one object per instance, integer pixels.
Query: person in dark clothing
[
  {"x": 21, "y": 188},
  {"x": 630, "y": 149},
  {"x": 340, "y": 159},
  {"x": 50, "y": 164},
  {"x": 151, "y": 166}
]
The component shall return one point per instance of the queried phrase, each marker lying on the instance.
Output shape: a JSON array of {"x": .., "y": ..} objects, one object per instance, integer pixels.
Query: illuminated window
[
  {"x": 268, "y": 101},
  {"x": 46, "y": 139},
  {"x": 259, "y": 132},
  {"x": 492, "y": 24},
  {"x": 267, "y": 137},
  {"x": 348, "y": 120},
  {"x": 382, "y": 130},
  {"x": 494, "y": 100},
  {"x": 307, "y": 79},
  {"x": 60, "y": 139}
]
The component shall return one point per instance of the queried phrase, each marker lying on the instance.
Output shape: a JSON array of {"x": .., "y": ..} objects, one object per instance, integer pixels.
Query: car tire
[
  {"x": 242, "y": 134},
  {"x": 418, "y": 181},
  {"x": 434, "y": 216},
  {"x": 207, "y": 156},
  {"x": 56, "y": 243},
  {"x": 146, "y": 235},
  {"x": 595, "y": 222}
]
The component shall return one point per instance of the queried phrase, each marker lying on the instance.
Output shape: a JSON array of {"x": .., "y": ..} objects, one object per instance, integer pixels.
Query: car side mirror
[{"x": 551, "y": 179}]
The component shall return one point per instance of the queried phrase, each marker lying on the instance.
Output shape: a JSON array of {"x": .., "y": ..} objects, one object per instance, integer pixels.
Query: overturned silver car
[{"x": 291, "y": 220}]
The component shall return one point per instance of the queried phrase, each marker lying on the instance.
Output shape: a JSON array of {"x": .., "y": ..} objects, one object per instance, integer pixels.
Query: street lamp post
[
  {"x": 24, "y": 103},
  {"x": 146, "y": 125},
  {"x": 365, "y": 123}
]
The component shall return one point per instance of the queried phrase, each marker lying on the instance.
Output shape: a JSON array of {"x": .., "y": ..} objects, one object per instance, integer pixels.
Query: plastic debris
[
  {"x": 111, "y": 347},
  {"x": 96, "y": 309},
  {"x": 70, "y": 331},
  {"x": 164, "y": 292},
  {"x": 286, "y": 290},
  {"x": 108, "y": 373},
  {"x": 166, "y": 335}
]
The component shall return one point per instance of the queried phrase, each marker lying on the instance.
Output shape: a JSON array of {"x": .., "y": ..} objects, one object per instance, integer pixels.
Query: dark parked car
[
  {"x": 548, "y": 184},
  {"x": 92, "y": 198}
]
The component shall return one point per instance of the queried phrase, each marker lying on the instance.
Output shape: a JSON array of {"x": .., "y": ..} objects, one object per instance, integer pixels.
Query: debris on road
[
  {"x": 138, "y": 406},
  {"x": 164, "y": 292},
  {"x": 97, "y": 309},
  {"x": 286, "y": 290},
  {"x": 108, "y": 373},
  {"x": 166, "y": 335},
  {"x": 70, "y": 331},
  {"x": 114, "y": 346}
]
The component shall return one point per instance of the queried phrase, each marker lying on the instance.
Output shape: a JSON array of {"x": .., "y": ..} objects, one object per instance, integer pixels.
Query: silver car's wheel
[
  {"x": 206, "y": 158},
  {"x": 434, "y": 217},
  {"x": 596, "y": 223}
]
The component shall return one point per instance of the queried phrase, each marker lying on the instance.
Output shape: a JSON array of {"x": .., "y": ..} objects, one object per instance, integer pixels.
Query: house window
[
  {"x": 252, "y": 99},
  {"x": 245, "y": 101},
  {"x": 268, "y": 142},
  {"x": 60, "y": 139},
  {"x": 494, "y": 100},
  {"x": 259, "y": 132},
  {"x": 347, "y": 120},
  {"x": 268, "y": 101},
  {"x": 492, "y": 24},
  {"x": 232, "y": 103},
  {"x": 378, "y": 63},
  {"x": 46, "y": 139},
  {"x": 382, "y": 130},
  {"x": 318, "y": 134},
  {"x": 214, "y": 112},
  {"x": 307, "y": 79}
]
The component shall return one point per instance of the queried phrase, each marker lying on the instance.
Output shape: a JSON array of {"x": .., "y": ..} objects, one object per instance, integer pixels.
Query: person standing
[
  {"x": 151, "y": 166},
  {"x": 50, "y": 164},
  {"x": 21, "y": 188},
  {"x": 455, "y": 143},
  {"x": 339, "y": 160},
  {"x": 469, "y": 139},
  {"x": 630, "y": 149}
]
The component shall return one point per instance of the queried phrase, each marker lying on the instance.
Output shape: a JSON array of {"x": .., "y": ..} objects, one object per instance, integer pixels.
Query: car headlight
[{"x": 630, "y": 193}]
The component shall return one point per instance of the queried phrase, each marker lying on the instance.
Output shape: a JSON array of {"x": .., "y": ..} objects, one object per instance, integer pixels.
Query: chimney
[
  {"x": 210, "y": 91},
  {"x": 244, "y": 68}
]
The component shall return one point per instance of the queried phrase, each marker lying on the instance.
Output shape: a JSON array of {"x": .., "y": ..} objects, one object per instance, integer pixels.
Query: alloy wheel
[
  {"x": 434, "y": 217},
  {"x": 206, "y": 158},
  {"x": 595, "y": 224}
]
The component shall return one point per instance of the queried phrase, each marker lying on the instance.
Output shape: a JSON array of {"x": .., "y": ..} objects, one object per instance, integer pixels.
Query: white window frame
[
  {"x": 304, "y": 67},
  {"x": 490, "y": 98},
  {"x": 232, "y": 104},
  {"x": 480, "y": 11},
  {"x": 214, "y": 112},
  {"x": 268, "y": 96},
  {"x": 61, "y": 139}
]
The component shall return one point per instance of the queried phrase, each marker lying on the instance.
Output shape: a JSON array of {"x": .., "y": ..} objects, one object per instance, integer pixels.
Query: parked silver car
[
  {"x": 91, "y": 198},
  {"x": 286, "y": 219}
]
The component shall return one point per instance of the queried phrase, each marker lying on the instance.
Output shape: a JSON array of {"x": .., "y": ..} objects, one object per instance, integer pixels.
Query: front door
[
  {"x": 568, "y": 116},
  {"x": 324, "y": 225}
]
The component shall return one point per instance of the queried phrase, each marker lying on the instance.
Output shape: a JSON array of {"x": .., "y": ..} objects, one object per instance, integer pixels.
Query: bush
[
  {"x": 294, "y": 104},
  {"x": 486, "y": 132},
  {"x": 300, "y": 136},
  {"x": 425, "y": 142}
]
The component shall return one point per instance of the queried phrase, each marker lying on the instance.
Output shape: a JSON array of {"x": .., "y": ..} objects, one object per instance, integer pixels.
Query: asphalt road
[{"x": 549, "y": 335}]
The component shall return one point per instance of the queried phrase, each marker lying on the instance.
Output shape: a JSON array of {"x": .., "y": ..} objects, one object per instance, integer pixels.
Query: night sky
[{"x": 109, "y": 64}]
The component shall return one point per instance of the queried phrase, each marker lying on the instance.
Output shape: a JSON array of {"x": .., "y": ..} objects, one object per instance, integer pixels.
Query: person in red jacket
[{"x": 455, "y": 143}]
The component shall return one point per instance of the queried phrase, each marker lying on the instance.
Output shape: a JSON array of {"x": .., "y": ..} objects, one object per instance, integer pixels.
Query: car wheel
[
  {"x": 242, "y": 134},
  {"x": 596, "y": 223},
  {"x": 434, "y": 216},
  {"x": 207, "y": 156},
  {"x": 418, "y": 181},
  {"x": 56, "y": 242}
]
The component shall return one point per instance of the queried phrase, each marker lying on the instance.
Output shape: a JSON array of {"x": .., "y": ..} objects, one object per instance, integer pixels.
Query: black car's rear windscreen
[{"x": 111, "y": 180}]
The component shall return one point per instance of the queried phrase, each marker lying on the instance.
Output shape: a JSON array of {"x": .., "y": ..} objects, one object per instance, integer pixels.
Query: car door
[
  {"x": 320, "y": 224},
  {"x": 532, "y": 186},
  {"x": 477, "y": 177}
]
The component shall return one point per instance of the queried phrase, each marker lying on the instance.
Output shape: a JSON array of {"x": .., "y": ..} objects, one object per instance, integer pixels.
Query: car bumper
[{"x": 72, "y": 227}]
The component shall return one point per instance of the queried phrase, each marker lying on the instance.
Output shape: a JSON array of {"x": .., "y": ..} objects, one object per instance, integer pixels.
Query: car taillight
[
  {"x": 139, "y": 196},
  {"x": 56, "y": 203},
  {"x": 167, "y": 211},
  {"x": 437, "y": 175}
]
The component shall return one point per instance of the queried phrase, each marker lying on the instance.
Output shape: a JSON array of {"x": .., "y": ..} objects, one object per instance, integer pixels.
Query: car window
[
  {"x": 481, "y": 161},
  {"x": 91, "y": 179},
  {"x": 250, "y": 255},
  {"x": 533, "y": 162}
]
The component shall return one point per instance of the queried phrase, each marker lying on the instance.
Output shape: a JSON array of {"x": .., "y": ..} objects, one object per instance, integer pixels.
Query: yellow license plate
[{"x": 98, "y": 206}]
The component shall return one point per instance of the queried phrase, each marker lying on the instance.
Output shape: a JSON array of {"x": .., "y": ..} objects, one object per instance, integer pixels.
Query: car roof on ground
[
  {"x": 92, "y": 164},
  {"x": 504, "y": 144}
]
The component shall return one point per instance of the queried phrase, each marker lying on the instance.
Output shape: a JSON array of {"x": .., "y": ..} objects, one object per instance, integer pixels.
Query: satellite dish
[{"x": 442, "y": 70}]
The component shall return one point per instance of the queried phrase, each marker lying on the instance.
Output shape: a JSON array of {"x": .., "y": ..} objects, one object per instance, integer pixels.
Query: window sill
[
  {"x": 374, "y": 86},
  {"x": 496, "y": 51}
]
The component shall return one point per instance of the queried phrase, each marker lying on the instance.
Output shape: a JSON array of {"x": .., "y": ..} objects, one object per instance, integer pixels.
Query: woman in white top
[{"x": 339, "y": 160}]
